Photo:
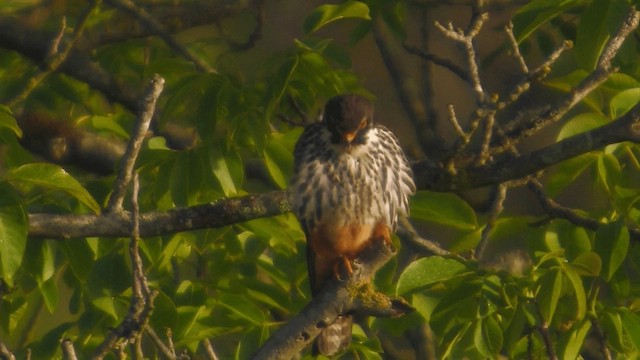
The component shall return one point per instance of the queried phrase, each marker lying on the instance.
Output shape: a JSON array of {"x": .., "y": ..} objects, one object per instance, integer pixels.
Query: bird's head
[{"x": 348, "y": 118}]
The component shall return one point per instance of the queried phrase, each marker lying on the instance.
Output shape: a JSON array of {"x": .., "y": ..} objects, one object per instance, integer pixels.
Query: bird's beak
[{"x": 348, "y": 137}]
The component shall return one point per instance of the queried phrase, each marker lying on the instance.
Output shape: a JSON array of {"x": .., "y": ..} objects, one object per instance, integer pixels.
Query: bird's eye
[{"x": 363, "y": 123}]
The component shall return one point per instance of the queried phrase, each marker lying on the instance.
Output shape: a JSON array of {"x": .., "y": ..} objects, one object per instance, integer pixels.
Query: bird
[{"x": 351, "y": 181}]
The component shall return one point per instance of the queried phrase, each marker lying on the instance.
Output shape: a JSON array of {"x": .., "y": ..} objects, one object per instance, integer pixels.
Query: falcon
[{"x": 351, "y": 181}]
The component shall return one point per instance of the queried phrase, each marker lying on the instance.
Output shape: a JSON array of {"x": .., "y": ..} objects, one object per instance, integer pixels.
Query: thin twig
[
  {"x": 55, "y": 56},
  {"x": 515, "y": 48},
  {"x": 543, "y": 329},
  {"x": 437, "y": 60},
  {"x": 408, "y": 232},
  {"x": 68, "y": 350},
  {"x": 169, "y": 335},
  {"x": 602, "y": 338},
  {"x": 164, "y": 349},
  {"x": 411, "y": 102},
  {"x": 453, "y": 119},
  {"x": 496, "y": 209},
  {"x": 466, "y": 39},
  {"x": 517, "y": 130},
  {"x": 484, "y": 155},
  {"x": 142, "y": 297},
  {"x": 5, "y": 353},
  {"x": 135, "y": 143},
  {"x": 157, "y": 28},
  {"x": 555, "y": 210},
  {"x": 209, "y": 349}
]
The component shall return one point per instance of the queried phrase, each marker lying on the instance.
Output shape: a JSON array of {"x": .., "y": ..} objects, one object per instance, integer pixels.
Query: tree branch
[
  {"x": 135, "y": 143},
  {"x": 158, "y": 29},
  {"x": 518, "y": 129},
  {"x": 625, "y": 128},
  {"x": 216, "y": 214},
  {"x": 354, "y": 295}
]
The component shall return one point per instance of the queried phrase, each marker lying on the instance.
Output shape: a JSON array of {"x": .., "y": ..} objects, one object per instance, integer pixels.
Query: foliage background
[{"x": 548, "y": 284}]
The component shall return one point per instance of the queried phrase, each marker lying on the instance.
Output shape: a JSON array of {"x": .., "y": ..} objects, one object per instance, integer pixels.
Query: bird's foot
[{"x": 346, "y": 264}]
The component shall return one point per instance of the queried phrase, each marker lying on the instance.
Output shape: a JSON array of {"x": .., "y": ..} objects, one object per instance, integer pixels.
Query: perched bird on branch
[{"x": 351, "y": 180}]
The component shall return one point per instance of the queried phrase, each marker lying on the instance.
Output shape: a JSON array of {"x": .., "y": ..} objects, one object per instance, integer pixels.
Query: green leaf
[
  {"x": 325, "y": 14},
  {"x": 536, "y": 13},
  {"x": 187, "y": 175},
  {"x": 612, "y": 243},
  {"x": 109, "y": 124},
  {"x": 106, "y": 304},
  {"x": 52, "y": 177},
  {"x": 550, "y": 287},
  {"x": 49, "y": 291},
  {"x": 13, "y": 233},
  {"x": 592, "y": 34},
  {"x": 240, "y": 306},
  {"x": 227, "y": 168},
  {"x": 588, "y": 264},
  {"x": 598, "y": 23},
  {"x": 487, "y": 337},
  {"x": 609, "y": 171},
  {"x": 611, "y": 323},
  {"x": 443, "y": 208},
  {"x": 631, "y": 325},
  {"x": 582, "y": 123},
  {"x": 278, "y": 86},
  {"x": 427, "y": 271},
  {"x": 623, "y": 102},
  {"x": 572, "y": 341},
  {"x": 8, "y": 121},
  {"x": 279, "y": 161},
  {"x": 567, "y": 172},
  {"x": 578, "y": 290}
]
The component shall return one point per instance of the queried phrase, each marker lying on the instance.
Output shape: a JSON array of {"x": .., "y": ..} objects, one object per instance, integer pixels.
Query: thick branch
[
  {"x": 336, "y": 298},
  {"x": 625, "y": 128},
  {"x": 217, "y": 214},
  {"x": 514, "y": 131}
]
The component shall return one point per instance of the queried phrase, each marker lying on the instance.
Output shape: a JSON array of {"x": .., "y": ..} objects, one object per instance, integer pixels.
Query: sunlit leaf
[
  {"x": 538, "y": 12},
  {"x": 611, "y": 323},
  {"x": 578, "y": 291},
  {"x": 13, "y": 233},
  {"x": 109, "y": 124},
  {"x": 565, "y": 173},
  {"x": 612, "y": 244},
  {"x": 427, "y": 271},
  {"x": 227, "y": 168},
  {"x": 106, "y": 304},
  {"x": 550, "y": 287},
  {"x": 631, "y": 325},
  {"x": 581, "y": 123},
  {"x": 571, "y": 342},
  {"x": 49, "y": 291},
  {"x": 328, "y": 13},
  {"x": 242, "y": 307},
  {"x": 598, "y": 22},
  {"x": 487, "y": 336},
  {"x": 443, "y": 208},
  {"x": 279, "y": 161},
  {"x": 623, "y": 102},
  {"x": 8, "y": 121},
  {"x": 609, "y": 171},
  {"x": 588, "y": 264},
  {"x": 187, "y": 175},
  {"x": 52, "y": 177}
]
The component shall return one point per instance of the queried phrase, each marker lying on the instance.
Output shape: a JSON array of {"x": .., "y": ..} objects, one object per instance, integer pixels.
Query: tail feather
[{"x": 335, "y": 337}]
